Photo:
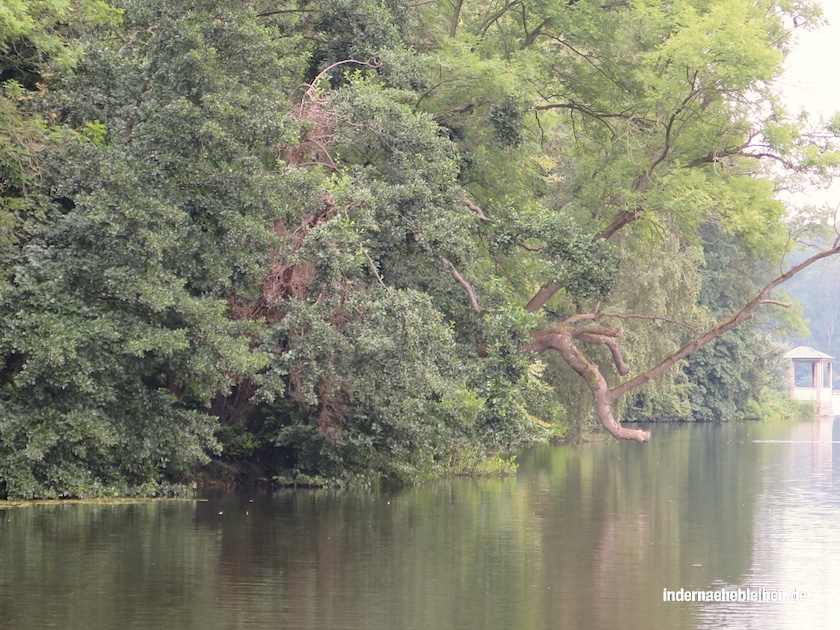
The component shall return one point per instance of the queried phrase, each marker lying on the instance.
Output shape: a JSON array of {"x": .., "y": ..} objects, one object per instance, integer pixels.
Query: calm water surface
[{"x": 582, "y": 538}]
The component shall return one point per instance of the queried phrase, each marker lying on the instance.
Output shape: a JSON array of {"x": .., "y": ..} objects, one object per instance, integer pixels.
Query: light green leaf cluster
[{"x": 39, "y": 23}]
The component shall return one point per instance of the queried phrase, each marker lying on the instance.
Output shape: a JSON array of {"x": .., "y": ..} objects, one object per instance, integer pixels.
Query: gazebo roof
[{"x": 804, "y": 353}]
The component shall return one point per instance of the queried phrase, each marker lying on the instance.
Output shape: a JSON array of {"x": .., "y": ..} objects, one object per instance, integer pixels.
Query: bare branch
[
  {"x": 562, "y": 343},
  {"x": 372, "y": 62},
  {"x": 545, "y": 293},
  {"x": 650, "y": 318},
  {"x": 719, "y": 156},
  {"x": 744, "y": 151},
  {"x": 531, "y": 37},
  {"x": 580, "y": 317},
  {"x": 612, "y": 344},
  {"x": 284, "y": 11},
  {"x": 461, "y": 109},
  {"x": 472, "y": 206},
  {"x": 488, "y": 22},
  {"x": 375, "y": 270},
  {"x": 777, "y": 303},
  {"x": 621, "y": 218},
  {"x": 602, "y": 117},
  {"x": 669, "y": 127},
  {"x": 466, "y": 285},
  {"x": 578, "y": 333}
]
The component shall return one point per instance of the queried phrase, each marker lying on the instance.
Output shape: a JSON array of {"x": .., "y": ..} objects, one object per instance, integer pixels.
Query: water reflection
[
  {"x": 797, "y": 525},
  {"x": 582, "y": 538}
]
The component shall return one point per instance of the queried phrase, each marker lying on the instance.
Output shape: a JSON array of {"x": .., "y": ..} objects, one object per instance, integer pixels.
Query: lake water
[{"x": 582, "y": 538}]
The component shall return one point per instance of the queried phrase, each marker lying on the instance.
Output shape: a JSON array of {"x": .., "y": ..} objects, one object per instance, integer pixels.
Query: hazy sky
[
  {"x": 812, "y": 76},
  {"x": 812, "y": 82}
]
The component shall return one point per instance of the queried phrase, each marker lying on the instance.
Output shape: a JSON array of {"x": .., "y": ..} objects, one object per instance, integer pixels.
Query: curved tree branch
[
  {"x": 475, "y": 208},
  {"x": 561, "y": 339},
  {"x": 466, "y": 285},
  {"x": 562, "y": 343}
]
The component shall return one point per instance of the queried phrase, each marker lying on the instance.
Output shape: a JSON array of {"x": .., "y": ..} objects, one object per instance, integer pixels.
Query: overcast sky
[
  {"x": 812, "y": 82},
  {"x": 812, "y": 76}
]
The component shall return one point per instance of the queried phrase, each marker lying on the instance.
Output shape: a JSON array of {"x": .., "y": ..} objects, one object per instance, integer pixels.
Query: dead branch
[
  {"x": 319, "y": 122},
  {"x": 284, "y": 280},
  {"x": 372, "y": 62}
]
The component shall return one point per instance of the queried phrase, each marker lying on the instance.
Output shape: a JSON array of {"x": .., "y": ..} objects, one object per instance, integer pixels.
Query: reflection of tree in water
[
  {"x": 581, "y": 538},
  {"x": 624, "y": 541}
]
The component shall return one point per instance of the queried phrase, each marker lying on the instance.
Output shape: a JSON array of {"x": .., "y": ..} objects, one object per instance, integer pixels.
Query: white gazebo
[{"x": 810, "y": 378}]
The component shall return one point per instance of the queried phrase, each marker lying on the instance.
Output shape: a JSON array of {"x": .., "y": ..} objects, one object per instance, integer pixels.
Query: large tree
[{"x": 148, "y": 214}]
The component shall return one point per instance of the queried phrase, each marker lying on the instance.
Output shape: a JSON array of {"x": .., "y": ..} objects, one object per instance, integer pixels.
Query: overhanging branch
[{"x": 724, "y": 325}]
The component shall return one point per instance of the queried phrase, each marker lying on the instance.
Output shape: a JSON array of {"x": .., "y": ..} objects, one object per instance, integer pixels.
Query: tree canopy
[{"x": 328, "y": 241}]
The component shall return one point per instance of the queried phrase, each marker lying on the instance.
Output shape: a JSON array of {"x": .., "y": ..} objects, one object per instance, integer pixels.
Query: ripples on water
[{"x": 582, "y": 538}]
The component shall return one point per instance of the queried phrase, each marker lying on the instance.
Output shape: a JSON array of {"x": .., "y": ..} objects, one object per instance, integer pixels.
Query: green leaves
[
  {"x": 33, "y": 32},
  {"x": 298, "y": 241},
  {"x": 118, "y": 314}
]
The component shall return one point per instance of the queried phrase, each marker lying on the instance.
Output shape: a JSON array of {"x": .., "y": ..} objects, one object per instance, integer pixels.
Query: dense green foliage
[{"x": 293, "y": 241}]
